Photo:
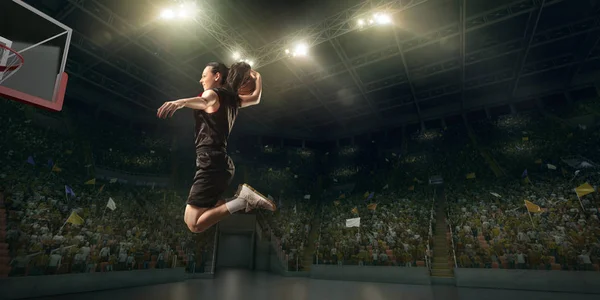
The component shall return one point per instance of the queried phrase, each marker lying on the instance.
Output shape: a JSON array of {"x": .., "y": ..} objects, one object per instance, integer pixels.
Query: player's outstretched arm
[
  {"x": 254, "y": 98},
  {"x": 208, "y": 99}
]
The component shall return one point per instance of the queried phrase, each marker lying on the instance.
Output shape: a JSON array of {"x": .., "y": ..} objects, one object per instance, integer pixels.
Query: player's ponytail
[
  {"x": 239, "y": 74},
  {"x": 217, "y": 67}
]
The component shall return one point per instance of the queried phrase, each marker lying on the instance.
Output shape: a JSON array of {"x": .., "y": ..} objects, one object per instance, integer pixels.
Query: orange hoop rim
[{"x": 19, "y": 57}]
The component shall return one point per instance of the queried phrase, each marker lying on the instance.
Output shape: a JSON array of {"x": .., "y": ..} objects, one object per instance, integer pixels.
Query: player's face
[{"x": 209, "y": 80}]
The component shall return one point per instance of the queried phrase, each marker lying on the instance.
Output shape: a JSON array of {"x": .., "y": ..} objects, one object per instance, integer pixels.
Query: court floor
[{"x": 234, "y": 284}]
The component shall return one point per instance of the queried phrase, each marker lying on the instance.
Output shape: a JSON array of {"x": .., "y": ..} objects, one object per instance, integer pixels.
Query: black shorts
[{"x": 214, "y": 172}]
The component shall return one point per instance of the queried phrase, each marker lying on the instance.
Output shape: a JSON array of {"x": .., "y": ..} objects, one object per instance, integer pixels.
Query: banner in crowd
[
  {"x": 532, "y": 207},
  {"x": 74, "y": 218},
  {"x": 372, "y": 206},
  {"x": 111, "y": 204},
  {"x": 355, "y": 222},
  {"x": 584, "y": 189}
]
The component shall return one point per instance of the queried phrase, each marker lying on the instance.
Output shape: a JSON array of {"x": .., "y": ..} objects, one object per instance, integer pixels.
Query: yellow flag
[
  {"x": 584, "y": 189},
  {"x": 372, "y": 206},
  {"x": 411, "y": 188},
  {"x": 336, "y": 203},
  {"x": 471, "y": 176},
  {"x": 366, "y": 194},
  {"x": 539, "y": 161},
  {"x": 526, "y": 180},
  {"x": 74, "y": 218},
  {"x": 355, "y": 210},
  {"x": 56, "y": 169},
  {"x": 532, "y": 207},
  {"x": 91, "y": 181},
  {"x": 342, "y": 196},
  {"x": 525, "y": 138}
]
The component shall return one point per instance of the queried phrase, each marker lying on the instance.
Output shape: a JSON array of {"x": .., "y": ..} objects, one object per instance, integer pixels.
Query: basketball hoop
[{"x": 10, "y": 62}]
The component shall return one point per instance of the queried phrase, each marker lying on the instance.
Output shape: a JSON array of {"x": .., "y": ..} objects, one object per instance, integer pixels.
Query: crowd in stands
[
  {"x": 492, "y": 228},
  {"x": 489, "y": 170},
  {"x": 135, "y": 151},
  {"x": 56, "y": 223},
  {"x": 393, "y": 233}
]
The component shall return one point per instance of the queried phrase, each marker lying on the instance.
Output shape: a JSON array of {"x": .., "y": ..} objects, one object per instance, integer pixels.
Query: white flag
[
  {"x": 385, "y": 187},
  {"x": 353, "y": 222},
  {"x": 111, "y": 204},
  {"x": 496, "y": 194},
  {"x": 307, "y": 197},
  {"x": 113, "y": 180},
  {"x": 577, "y": 172},
  {"x": 551, "y": 167}
]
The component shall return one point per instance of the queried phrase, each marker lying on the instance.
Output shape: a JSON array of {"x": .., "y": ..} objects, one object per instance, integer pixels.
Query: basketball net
[{"x": 10, "y": 62}]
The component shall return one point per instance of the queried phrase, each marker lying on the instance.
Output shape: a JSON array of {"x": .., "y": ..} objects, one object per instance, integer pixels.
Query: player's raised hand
[{"x": 168, "y": 109}]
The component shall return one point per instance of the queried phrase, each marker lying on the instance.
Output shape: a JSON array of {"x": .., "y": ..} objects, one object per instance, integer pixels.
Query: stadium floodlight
[
  {"x": 167, "y": 14},
  {"x": 382, "y": 19},
  {"x": 301, "y": 50}
]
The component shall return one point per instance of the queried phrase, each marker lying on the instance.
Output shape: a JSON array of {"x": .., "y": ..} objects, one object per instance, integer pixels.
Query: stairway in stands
[
  {"x": 313, "y": 239},
  {"x": 4, "y": 254},
  {"x": 443, "y": 261}
]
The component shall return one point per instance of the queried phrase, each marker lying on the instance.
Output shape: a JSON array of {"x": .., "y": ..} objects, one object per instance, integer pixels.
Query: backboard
[{"x": 43, "y": 42}]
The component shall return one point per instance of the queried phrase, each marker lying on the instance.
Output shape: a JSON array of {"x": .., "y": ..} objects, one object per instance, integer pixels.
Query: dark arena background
[{"x": 416, "y": 149}]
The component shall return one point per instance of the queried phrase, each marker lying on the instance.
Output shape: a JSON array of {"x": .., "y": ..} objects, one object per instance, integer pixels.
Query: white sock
[{"x": 235, "y": 205}]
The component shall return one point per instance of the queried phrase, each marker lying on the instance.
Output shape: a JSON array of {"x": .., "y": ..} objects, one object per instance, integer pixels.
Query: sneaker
[{"x": 254, "y": 199}]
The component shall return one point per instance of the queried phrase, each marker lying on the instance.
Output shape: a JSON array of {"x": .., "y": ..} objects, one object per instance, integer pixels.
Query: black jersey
[{"x": 213, "y": 129}]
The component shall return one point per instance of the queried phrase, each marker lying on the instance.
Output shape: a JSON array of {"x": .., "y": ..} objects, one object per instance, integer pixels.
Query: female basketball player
[{"x": 215, "y": 111}]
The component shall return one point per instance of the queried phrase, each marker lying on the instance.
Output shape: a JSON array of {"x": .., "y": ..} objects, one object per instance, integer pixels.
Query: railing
[
  {"x": 430, "y": 234},
  {"x": 452, "y": 239},
  {"x": 281, "y": 255},
  {"x": 214, "y": 254}
]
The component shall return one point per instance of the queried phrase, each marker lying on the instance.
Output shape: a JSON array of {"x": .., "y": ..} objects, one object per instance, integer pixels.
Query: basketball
[{"x": 248, "y": 87}]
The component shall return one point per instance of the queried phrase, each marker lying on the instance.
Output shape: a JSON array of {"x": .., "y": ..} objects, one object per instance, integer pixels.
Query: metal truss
[
  {"x": 590, "y": 25},
  {"x": 496, "y": 78},
  {"x": 66, "y": 10},
  {"x": 531, "y": 28},
  {"x": 463, "y": 49},
  {"x": 119, "y": 25},
  {"x": 337, "y": 25},
  {"x": 533, "y": 68},
  {"x": 582, "y": 54},
  {"x": 359, "y": 85},
  {"x": 473, "y": 23},
  {"x": 413, "y": 93},
  {"x": 103, "y": 82},
  {"x": 82, "y": 43}
]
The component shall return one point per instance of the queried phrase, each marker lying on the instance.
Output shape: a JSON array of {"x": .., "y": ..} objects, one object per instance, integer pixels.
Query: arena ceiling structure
[{"x": 332, "y": 68}]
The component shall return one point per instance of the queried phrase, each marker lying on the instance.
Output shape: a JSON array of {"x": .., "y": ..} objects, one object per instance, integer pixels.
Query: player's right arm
[{"x": 206, "y": 100}]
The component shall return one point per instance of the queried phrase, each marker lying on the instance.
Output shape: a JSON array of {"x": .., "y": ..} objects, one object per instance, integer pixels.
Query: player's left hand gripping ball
[{"x": 168, "y": 109}]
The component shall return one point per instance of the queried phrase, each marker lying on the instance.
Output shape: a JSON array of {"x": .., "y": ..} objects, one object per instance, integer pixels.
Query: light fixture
[
  {"x": 382, "y": 19},
  {"x": 167, "y": 14},
  {"x": 301, "y": 50},
  {"x": 236, "y": 55}
]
